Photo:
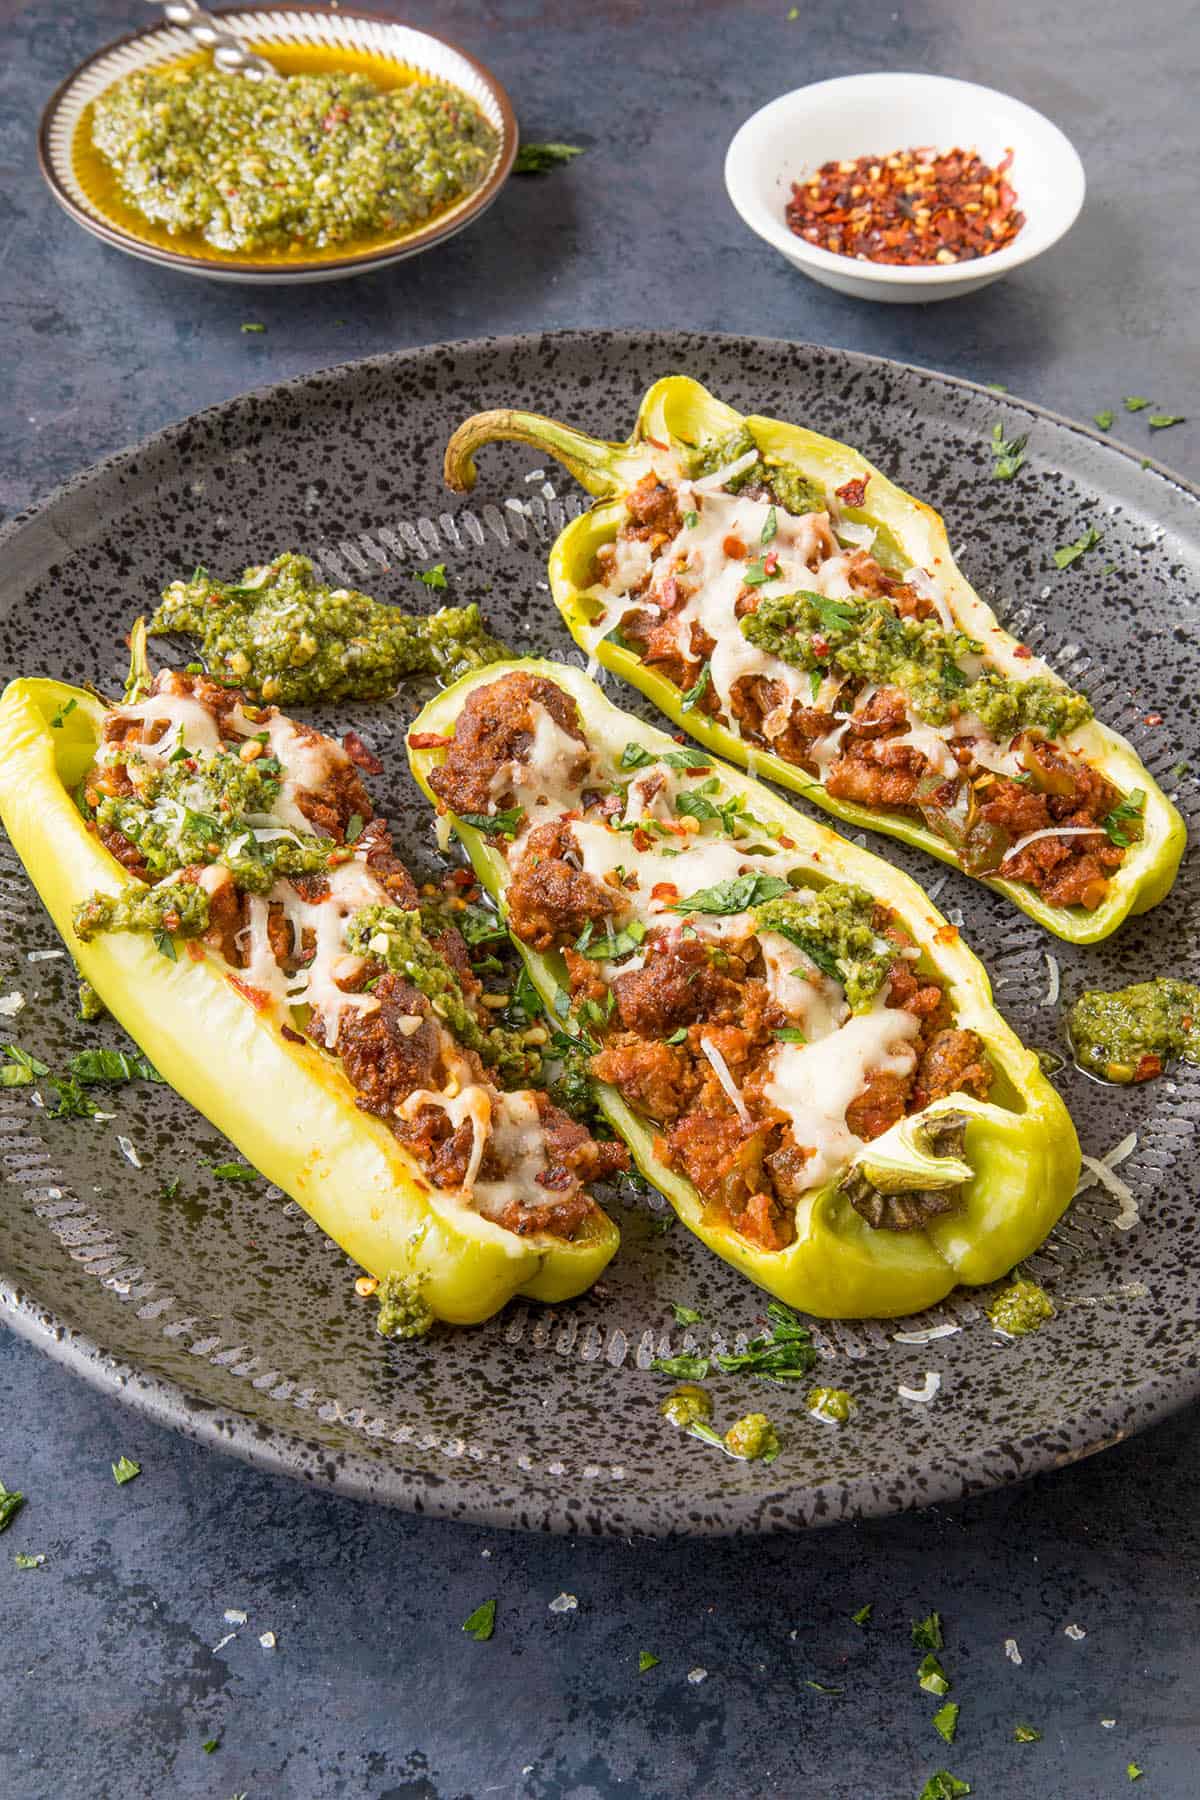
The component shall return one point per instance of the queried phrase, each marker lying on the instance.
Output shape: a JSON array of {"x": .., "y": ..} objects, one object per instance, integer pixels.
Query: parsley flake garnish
[
  {"x": 927, "y": 1633},
  {"x": 539, "y": 159},
  {"x": 944, "y": 1786},
  {"x": 1072, "y": 552},
  {"x": 695, "y": 694},
  {"x": 125, "y": 1470},
  {"x": 234, "y": 1171},
  {"x": 354, "y": 828},
  {"x": 770, "y": 526},
  {"x": 647, "y": 1660},
  {"x": 482, "y": 1622},
  {"x": 95, "y": 1066},
  {"x": 1160, "y": 421},
  {"x": 211, "y": 1744},
  {"x": 1123, "y": 823},
  {"x": 253, "y": 325},
  {"x": 678, "y": 1037},
  {"x": 1007, "y": 453},
  {"x": 1135, "y": 403},
  {"x": 932, "y": 1677},
  {"x": 21, "y": 1068},
  {"x": 945, "y": 1721},
  {"x": 1104, "y": 419},
  {"x": 501, "y": 824},
  {"x": 789, "y": 1034},
  {"x": 433, "y": 578},
  {"x": 63, "y": 714},
  {"x": 1026, "y": 1734},
  {"x": 736, "y": 894},
  {"x": 684, "y": 1367},
  {"x": 28, "y": 1562},
  {"x": 862, "y": 1615},
  {"x": 818, "y": 1687},
  {"x": 1133, "y": 1772},
  {"x": 164, "y": 943},
  {"x": 685, "y": 1315},
  {"x": 691, "y": 520},
  {"x": 10, "y": 1506}
]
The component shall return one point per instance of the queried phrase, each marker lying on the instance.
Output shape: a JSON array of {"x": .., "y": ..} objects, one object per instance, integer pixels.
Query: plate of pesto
[
  {"x": 629, "y": 978},
  {"x": 353, "y": 142}
]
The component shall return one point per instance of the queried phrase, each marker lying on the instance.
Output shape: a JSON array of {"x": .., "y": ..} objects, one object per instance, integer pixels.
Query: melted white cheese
[{"x": 519, "y": 1141}]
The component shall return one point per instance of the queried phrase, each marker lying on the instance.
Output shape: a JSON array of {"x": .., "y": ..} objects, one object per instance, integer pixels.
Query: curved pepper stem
[
  {"x": 139, "y": 679},
  {"x": 603, "y": 469}
]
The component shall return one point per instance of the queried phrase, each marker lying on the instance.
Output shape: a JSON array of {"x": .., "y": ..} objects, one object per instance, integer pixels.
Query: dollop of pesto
[
  {"x": 689, "y": 1405},
  {"x": 753, "y": 1439},
  {"x": 834, "y": 928},
  {"x": 404, "y": 1312},
  {"x": 865, "y": 638},
  {"x": 396, "y": 938},
  {"x": 1020, "y": 1309},
  {"x": 1129, "y": 1034},
  {"x": 283, "y": 636},
  {"x": 787, "y": 486},
  {"x": 173, "y": 909},
  {"x": 833, "y": 1404},
  {"x": 303, "y": 161}
]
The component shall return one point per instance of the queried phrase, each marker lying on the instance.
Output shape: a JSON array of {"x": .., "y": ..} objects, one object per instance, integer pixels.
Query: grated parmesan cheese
[
  {"x": 1052, "y": 985},
  {"x": 927, "y": 1336},
  {"x": 926, "y": 1392},
  {"x": 721, "y": 1070}
]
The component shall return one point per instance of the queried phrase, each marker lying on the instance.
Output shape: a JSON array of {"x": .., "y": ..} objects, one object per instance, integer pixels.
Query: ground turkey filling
[
  {"x": 984, "y": 811},
  {"x": 392, "y": 1044},
  {"x": 693, "y": 986}
]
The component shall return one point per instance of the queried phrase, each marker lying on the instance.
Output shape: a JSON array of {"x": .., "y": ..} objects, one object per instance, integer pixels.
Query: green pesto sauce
[
  {"x": 283, "y": 636},
  {"x": 404, "y": 1311},
  {"x": 1020, "y": 1309},
  {"x": 831, "y": 1403},
  {"x": 196, "y": 811},
  {"x": 788, "y": 487},
  {"x": 834, "y": 929},
  {"x": 1111, "y": 1032},
  {"x": 688, "y": 1405},
  {"x": 865, "y": 638},
  {"x": 304, "y": 161},
  {"x": 753, "y": 1439},
  {"x": 395, "y": 937},
  {"x": 171, "y": 908}
]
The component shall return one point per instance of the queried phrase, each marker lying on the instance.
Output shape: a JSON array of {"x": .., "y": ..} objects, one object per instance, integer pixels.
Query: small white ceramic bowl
[{"x": 875, "y": 115}]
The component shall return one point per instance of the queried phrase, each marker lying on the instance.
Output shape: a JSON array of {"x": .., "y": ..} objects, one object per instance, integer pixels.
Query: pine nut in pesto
[{"x": 305, "y": 162}]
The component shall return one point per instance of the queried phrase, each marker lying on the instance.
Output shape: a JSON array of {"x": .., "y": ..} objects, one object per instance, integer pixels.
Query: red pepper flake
[
  {"x": 664, "y": 890},
  {"x": 786, "y": 843},
  {"x": 771, "y": 563},
  {"x": 337, "y": 115},
  {"x": 358, "y": 753},
  {"x": 428, "y": 740},
  {"x": 1022, "y": 650},
  {"x": 258, "y": 999},
  {"x": 293, "y": 1037},
  {"x": 462, "y": 878},
  {"x": 820, "y": 646},
  {"x": 1152, "y": 719},
  {"x": 668, "y": 594},
  {"x": 853, "y": 493},
  {"x": 642, "y": 840},
  {"x": 914, "y": 207},
  {"x": 734, "y": 548}
]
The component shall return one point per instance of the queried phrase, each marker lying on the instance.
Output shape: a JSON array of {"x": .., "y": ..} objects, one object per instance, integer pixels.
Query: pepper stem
[
  {"x": 603, "y": 469},
  {"x": 137, "y": 682}
]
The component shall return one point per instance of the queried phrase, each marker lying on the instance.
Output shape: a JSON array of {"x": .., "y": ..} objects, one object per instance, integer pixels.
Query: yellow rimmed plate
[{"x": 295, "y": 41}]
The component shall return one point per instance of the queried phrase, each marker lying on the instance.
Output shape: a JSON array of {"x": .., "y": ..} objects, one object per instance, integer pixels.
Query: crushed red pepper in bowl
[{"x": 912, "y": 207}]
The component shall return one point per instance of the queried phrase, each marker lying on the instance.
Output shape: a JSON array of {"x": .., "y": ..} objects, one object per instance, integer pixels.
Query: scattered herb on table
[
  {"x": 1135, "y": 403},
  {"x": 253, "y": 325},
  {"x": 22, "y": 1069},
  {"x": 539, "y": 159},
  {"x": 93, "y": 1067},
  {"x": 10, "y": 1506},
  {"x": 1160, "y": 421},
  {"x": 482, "y": 1622},
  {"x": 996, "y": 387},
  {"x": 1026, "y": 1734},
  {"x": 433, "y": 578},
  {"x": 862, "y": 1615},
  {"x": 685, "y": 1315},
  {"x": 125, "y": 1470},
  {"x": 945, "y": 1721},
  {"x": 1007, "y": 453},
  {"x": 1104, "y": 419},
  {"x": 1133, "y": 1772},
  {"x": 28, "y": 1562},
  {"x": 1071, "y": 553},
  {"x": 210, "y": 1744},
  {"x": 944, "y": 1786},
  {"x": 647, "y": 1660},
  {"x": 932, "y": 1677},
  {"x": 927, "y": 1633},
  {"x": 684, "y": 1367},
  {"x": 234, "y": 1171},
  {"x": 818, "y": 1687}
]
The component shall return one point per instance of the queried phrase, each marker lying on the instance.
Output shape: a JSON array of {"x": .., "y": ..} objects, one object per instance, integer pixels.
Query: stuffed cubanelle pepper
[
  {"x": 799, "y": 1050},
  {"x": 795, "y": 611},
  {"x": 220, "y": 876}
]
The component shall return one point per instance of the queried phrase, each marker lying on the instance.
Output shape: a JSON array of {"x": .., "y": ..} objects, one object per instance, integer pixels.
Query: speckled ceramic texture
[{"x": 226, "y": 1313}]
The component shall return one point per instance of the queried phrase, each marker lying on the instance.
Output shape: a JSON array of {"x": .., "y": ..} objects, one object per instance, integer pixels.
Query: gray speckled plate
[{"x": 226, "y": 1313}]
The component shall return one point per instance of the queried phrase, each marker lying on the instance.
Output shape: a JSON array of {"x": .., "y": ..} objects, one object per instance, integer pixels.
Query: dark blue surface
[{"x": 111, "y": 1684}]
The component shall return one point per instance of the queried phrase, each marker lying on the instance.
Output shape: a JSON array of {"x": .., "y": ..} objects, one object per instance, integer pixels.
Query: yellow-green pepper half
[
  {"x": 1020, "y": 1144},
  {"x": 679, "y": 415},
  {"x": 287, "y": 1106}
]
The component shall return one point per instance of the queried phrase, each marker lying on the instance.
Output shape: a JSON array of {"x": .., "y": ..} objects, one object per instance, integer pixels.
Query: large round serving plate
[{"x": 224, "y": 1312}]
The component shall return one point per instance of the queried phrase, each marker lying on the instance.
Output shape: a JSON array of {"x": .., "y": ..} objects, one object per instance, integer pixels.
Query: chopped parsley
[
  {"x": 927, "y": 1633},
  {"x": 354, "y": 828},
  {"x": 614, "y": 944},
  {"x": 1026, "y": 1734},
  {"x": 211, "y": 1744},
  {"x": 1160, "y": 421},
  {"x": 944, "y": 1786},
  {"x": 695, "y": 694},
  {"x": 790, "y": 1034},
  {"x": 10, "y": 1506},
  {"x": 1071, "y": 553},
  {"x": 125, "y": 1470},
  {"x": 1135, "y": 403},
  {"x": 1104, "y": 419},
  {"x": 539, "y": 159},
  {"x": 252, "y": 325},
  {"x": 63, "y": 714},
  {"x": 433, "y": 578},
  {"x": 28, "y": 1562},
  {"x": 783, "y": 1354},
  {"x": 695, "y": 806},
  {"x": 932, "y": 1677},
  {"x": 737, "y": 894},
  {"x": 945, "y": 1721},
  {"x": 818, "y": 1687},
  {"x": 1133, "y": 1772},
  {"x": 95, "y": 1066},
  {"x": 482, "y": 1622},
  {"x": 685, "y": 1315},
  {"x": 862, "y": 1615},
  {"x": 164, "y": 943},
  {"x": 501, "y": 824},
  {"x": 1007, "y": 453},
  {"x": 647, "y": 1660},
  {"x": 73, "y": 1103},
  {"x": 1123, "y": 823},
  {"x": 691, "y": 520},
  {"x": 22, "y": 1069},
  {"x": 678, "y": 1037},
  {"x": 684, "y": 1367},
  {"x": 770, "y": 526},
  {"x": 234, "y": 1171}
]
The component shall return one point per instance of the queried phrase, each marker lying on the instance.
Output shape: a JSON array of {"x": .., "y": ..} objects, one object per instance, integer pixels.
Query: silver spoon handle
[{"x": 228, "y": 52}]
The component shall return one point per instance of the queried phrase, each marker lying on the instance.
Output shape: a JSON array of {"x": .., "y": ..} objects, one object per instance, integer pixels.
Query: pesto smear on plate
[
  {"x": 1130, "y": 1034},
  {"x": 303, "y": 162},
  {"x": 281, "y": 635}
]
